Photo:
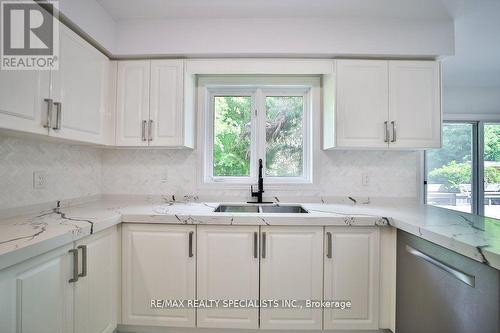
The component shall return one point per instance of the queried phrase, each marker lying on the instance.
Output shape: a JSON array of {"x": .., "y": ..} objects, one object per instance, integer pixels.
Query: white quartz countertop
[{"x": 25, "y": 236}]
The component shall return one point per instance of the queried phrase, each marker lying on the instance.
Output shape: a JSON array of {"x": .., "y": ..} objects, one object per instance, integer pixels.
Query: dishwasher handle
[{"x": 464, "y": 277}]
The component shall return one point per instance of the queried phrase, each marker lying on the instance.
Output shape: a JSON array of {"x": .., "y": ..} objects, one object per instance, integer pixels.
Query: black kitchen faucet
[{"x": 258, "y": 194}]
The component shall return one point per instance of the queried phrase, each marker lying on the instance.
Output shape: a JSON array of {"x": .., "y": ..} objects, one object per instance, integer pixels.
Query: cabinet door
[
  {"x": 228, "y": 269},
  {"x": 22, "y": 106},
  {"x": 80, "y": 86},
  {"x": 36, "y": 296},
  {"x": 132, "y": 104},
  {"x": 362, "y": 103},
  {"x": 291, "y": 269},
  {"x": 96, "y": 293},
  {"x": 415, "y": 104},
  {"x": 166, "y": 103},
  {"x": 352, "y": 274},
  {"x": 158, "y": 264}
]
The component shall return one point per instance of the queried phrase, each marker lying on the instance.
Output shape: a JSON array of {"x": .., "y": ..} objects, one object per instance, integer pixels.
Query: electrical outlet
[
  {"x": 39, "y": 179},
  {"x": 365, "y": 179}
]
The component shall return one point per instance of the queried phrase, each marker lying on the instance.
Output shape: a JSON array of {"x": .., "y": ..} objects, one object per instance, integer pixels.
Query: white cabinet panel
[
  {"x": 80, "y": 86},
  {"x": 96, "y": 293},
  {"x": 158, "y": 265},
  {"x": 166, "y": 103},
  {"x": 132, "y": 105},
  {"x": 362, "y": 105},
  {"x": 291, "y": 269},
  {"x": 36, "y": 296},
  {"x": 228, "y": 269},
  {"x": 352, "y": 274},
  {"x": 415, "y": 104},
  {"x": 22, "y": 106}
]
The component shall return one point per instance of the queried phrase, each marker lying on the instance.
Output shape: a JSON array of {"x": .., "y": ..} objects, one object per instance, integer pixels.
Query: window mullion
[
  {"x": 261, "y": 128},
  {"x": 479, "y": 187}
]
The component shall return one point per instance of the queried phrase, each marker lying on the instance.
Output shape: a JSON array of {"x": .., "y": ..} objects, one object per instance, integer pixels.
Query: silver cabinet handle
[
  {"x": 50, "y": 106},
  {"x": 144, "y": 123},
  {"x": 150, "y": 131},
  {"x": 329, "y": 245},
  {"x": 386, "y": 127},
  {"x": 464, "y": 277},
  {"x": 191, "y": 233},
  {"x": 393, "y": 124},
  {"x": 255, "y": 248},
  {"x": 75, "y": 265},
  {"x": 84, "y": 260},
  {"x": 263, "y": 250},
  {"x": 58, "y": 116}
]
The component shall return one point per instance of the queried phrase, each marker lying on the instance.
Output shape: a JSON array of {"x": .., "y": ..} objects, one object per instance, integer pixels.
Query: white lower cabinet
[
  {"x": 40, "y": 295},
  {"x": 35, "y": 295},
  {"x": 158, "y": 264},
  {"x": 228, "y": 269},
  {"x": 96, "y": 293},
  {"x": 291, "y": 269},
  {"x": 352, "y": 274}
]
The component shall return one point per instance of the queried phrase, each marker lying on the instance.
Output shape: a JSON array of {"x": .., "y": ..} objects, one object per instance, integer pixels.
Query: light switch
[{"x": 39, "y": 179}]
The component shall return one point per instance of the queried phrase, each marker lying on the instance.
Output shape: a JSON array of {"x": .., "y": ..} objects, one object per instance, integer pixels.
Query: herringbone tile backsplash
[
  {"x": 72, "y": 171},
  {"x": 75, "y": 171}
]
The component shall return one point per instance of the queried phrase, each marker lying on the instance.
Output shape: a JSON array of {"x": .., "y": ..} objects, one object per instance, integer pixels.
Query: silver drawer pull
[
  {"x": 393, "y": 123},
  {"x": 190, "y": 245},
  {"x": 58, "y": 116},
  {"x": 464, "y": 277},
  {"x": 143, "y": 133},
  {"x": 386, "y": 128},
  {"x": 75, "y": 265},
  {"x": 263, "y": 245},
  {"x": 150, "y": 131},
  {"x": 50, "y": 106},
  {"x": 84, "y": 260},
  {"x": 255, "y": 248},
  {"x": 329, "y": 245}
]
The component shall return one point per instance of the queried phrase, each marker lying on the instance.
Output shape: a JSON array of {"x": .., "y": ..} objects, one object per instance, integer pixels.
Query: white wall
[
  {"x": 294, "y": 36},
  {"x": 89, "y": 16},
  {"x": 72, "y": 171},
  {"x": 143, "y": 172}
]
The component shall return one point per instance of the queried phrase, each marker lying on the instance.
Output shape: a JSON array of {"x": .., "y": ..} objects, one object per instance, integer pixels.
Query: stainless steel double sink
[{"x": 261, "y": 208}]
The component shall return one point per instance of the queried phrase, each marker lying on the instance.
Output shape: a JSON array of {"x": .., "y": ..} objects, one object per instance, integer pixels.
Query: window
[
  {"x": 464, "y": 174},
  {"x": 248, "y": 119}
]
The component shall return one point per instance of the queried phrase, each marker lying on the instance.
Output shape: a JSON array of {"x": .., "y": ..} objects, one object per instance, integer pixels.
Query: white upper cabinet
[
  {"x": 150, "y": 108},
  {"x": 362, "y": 105},
  {"x": 352, "y": 273},
  {"x": 291, "y": 269},
  {"x": 384, "y": 104},
  {"x": 158, "y": 264},
  {"x": 414, "y": 104},
  {"x": 132, "y": 105},
  {"x": 69, "y": 103},
  {"x": 166, "y": 103},
  {"x": 79, "y": 90},
  {"x": 22, "y": 105},
  {"x": 228, "y": 269}
]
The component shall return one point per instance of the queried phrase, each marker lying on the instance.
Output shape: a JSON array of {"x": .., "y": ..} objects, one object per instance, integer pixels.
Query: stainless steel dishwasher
[{"x": 441, "y": 291}]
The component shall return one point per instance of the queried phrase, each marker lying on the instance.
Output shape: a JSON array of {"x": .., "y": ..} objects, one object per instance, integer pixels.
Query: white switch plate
[
  {"x": 365, "y": 179},
  {"x": 39, "y": 179}
]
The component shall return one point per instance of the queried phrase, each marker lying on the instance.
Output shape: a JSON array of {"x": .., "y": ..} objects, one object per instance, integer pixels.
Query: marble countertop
[{"x": 28, "y": 235}]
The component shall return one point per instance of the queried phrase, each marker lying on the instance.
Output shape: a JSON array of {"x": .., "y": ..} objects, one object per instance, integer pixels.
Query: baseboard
[{"x": 155, "y": 329}]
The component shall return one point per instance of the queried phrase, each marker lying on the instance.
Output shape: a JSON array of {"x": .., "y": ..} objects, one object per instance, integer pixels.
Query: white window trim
[{"x": 306, "y": 86}]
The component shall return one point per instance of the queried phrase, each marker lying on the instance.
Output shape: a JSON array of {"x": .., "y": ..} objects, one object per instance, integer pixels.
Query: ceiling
[
  {"x": 477, "y": 46},
  {"x": 158, "y": 9},
  {"x": 477, "y": 23}
]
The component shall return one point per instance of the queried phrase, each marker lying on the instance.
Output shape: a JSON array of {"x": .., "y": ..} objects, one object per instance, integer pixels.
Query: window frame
[
  {"x": 477, "y": 186},
  {"x": 258, "y": 88}
]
